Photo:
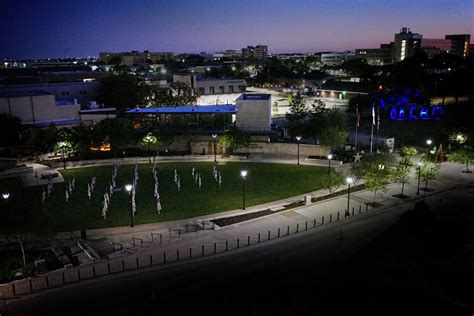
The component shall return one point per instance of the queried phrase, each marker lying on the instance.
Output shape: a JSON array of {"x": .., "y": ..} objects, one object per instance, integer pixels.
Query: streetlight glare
[
  {"x": 128, "y": 187},
  {"x": 243, "y": 173},
  {"x": 214, "y": 135},
  {"x": 429, "y": 141},
  {"x": 330, "y": 156},
  {"x": 298, "y": 138},
  {"x": 349, "y": 180},
  {"x": 6, "y": 195}
]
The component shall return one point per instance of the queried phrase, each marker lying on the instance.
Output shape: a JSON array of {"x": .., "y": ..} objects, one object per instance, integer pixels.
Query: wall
[{"x": 254, "y": 115}]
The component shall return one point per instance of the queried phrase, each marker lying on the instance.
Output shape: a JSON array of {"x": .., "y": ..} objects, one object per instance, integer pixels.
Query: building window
[
  {"x": 403, "y": 50},
  {"x": 221, "y": 89},
  {"x": 211, "y": 90},
  {"x": 231, "y": 89}
]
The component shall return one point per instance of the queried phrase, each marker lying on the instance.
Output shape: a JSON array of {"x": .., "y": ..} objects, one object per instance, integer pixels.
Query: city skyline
[{"x": 54, "y": 29}]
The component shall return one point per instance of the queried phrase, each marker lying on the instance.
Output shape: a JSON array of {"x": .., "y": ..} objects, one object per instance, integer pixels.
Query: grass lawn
[{"x": 265, "y": 182}]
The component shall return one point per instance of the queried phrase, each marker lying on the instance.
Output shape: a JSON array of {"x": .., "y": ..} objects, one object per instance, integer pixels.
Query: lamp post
[
  {"x": 243, "y": 174},
  {"x": 419, "y": 177},
  {"x": 348, "y": 181},
  {"x": 129, "y": 188},
  {"x": 6, "y": 196},
  {"x": 329, "y": 164},
  {"x": 214, "y": 136},
  {"x": 298, "y": 138}
]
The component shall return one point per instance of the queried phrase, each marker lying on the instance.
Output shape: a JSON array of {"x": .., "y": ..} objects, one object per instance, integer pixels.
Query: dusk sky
[{"x": 36, "y": 29}]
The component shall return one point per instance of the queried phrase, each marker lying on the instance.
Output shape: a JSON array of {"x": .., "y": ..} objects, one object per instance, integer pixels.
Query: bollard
[
  {"x": 248, "y": 241},
  {"x": 164, "y": 257},
  {"x": 226, "y": 245},
  {"x": 177, "y": 255},
  {"x": 190, "y": 252},
  {"x": 288, "y": 230},
  {"x": 258, "y": 237},
  {"x": 278, "y": 232},
  {"x": 352, "y": 211},
  {"x": 330, "y": 218},
  {"x": 238, "y": 243},
  {"x": 151, "y": 260},
  {"x": 366, "y": 207},
  {"x": 123, "y": 265},
  {"x": 322, "y": 220},
  {"x": 306, "y": 227},
  {"x": 268, "y": 235},
  {"x": 78, "y": 274},
  {"x": 215, "y": 248},
  {"x": 13, "y": 289},
  {"x": 360, "y": 209},
  {"x": 31, "y": 284},
  {"x": 138, "y": 266},
  {"x": 337, "y": 215},
  {"x": 108, "y": 268},
  {"x": 297, "y": 227},
  {"x": 314, "y": 225},
  {"x": 64, "y": 278},
  {"x": 202, "y": 250},
  {"x": 93, "y": 271},
  {"x": 47, "y": 281}
]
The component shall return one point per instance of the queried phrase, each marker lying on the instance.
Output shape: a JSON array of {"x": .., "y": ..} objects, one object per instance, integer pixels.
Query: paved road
[{"x": 283, "y": 275}]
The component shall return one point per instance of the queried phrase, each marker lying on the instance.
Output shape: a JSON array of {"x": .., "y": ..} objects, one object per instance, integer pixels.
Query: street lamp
[
  {"x": 348, "y": 181},
  {"x": 298, "y": 138},
  {"x": 329, "y": 164},
  {"x": 419, "y": 177},
  {"x": 243, "y": 174},
  {"x": 5, "y": 196},
  {"x": 129, "y": 188},
  {"x": 429, "y": 142},
  {"x": 214, "y": 136}
]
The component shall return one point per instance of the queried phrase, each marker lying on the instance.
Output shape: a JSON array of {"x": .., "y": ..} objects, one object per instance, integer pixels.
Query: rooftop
[
  {"x": 199, "y": 109},
  {"x": 257, "y": 96},
  {"x": 18, "y": 94}
]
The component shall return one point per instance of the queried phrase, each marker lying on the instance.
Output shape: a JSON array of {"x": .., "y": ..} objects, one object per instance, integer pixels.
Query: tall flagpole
[
  {"x": 377, "y": 131},
  {"x": 372, "y": 132},
  {"x": 357, "y": 127}
]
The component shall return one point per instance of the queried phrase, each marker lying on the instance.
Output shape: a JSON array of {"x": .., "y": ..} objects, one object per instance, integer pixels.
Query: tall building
[
  {"x": 406, "y": 43},
  {"x": 333, "y": 59},
  {"x": 459, "y": 44},
  {"x": 255, "y": 52}
]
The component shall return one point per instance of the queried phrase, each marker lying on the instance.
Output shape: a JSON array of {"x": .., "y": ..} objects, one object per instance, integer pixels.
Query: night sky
[{"x": 42, "y": 28}]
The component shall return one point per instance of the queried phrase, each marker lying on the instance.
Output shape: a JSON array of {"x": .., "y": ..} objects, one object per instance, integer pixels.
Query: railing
[{"x": 100, "y": 268}]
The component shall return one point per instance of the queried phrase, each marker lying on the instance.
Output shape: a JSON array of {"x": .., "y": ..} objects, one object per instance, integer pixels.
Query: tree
[
  {"x": 123, "y": 92},
  {"x": 334, "y": 129},
  {"x": 149, "y": 140},
  {"x": 402, "y": 173},
  {"x": 179, "y": 94},
  {"x": 408, "y": 152},
  {"x": 118, "y": 132},
  {"x": 234, "y": 138},
  {"x": 429, "y": 170},
  {"x": 10, "y": 128},
  {"x": 464, "y": 155},
  {"x": 297, "y": 115},
  {"x": 332, "y": 181},
  {"x": 377, "y": 179}
]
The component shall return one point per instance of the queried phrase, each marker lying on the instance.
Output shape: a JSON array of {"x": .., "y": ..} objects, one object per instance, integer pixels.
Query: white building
[
  {"x": 334, "y": 59},
  {"x": 254, "y": 112},
  {"x": 205, "y": 86}
]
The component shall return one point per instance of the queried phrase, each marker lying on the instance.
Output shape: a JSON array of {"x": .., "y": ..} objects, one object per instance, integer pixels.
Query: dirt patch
[
  {"x": 356, "y": 188},
  {"x": 401, "y": 196}
]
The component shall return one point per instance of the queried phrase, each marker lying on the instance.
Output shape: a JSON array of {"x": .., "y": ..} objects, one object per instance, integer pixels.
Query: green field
[{"x": 265, "y": 182}]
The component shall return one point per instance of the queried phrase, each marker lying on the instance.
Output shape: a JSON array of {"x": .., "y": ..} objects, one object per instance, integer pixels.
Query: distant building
[
  {"x": 342, "y": 90},
  {"x": 337, "y": 58},
  {"x": 136, "y": 57},
  {"x": 406, "y": 43},
  {"x": 82, "y": 92},
  {"x": 204, "y": 85},
  {"x": 259, "y": 52},
  {"x": 233, "y": 54},
  {"x": 376, "y": 56},
  {"x": 39, "y": 108},
  {"x": 459, "y": 44}
]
